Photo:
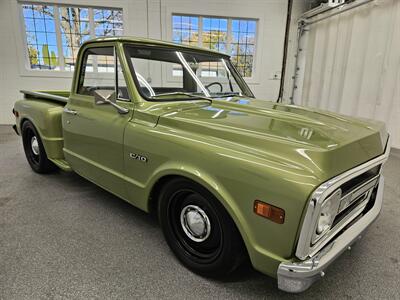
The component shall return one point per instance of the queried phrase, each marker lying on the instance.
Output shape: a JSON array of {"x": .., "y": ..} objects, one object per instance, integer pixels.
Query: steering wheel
[{"x": 214, "y": 83}]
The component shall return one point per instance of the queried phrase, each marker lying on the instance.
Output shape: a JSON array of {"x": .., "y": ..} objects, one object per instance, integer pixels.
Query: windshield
[{"x": 169, "y": 74}]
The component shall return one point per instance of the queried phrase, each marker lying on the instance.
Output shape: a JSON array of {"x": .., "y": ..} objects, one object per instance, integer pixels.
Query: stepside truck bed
[{"x": 44, "y": 110}]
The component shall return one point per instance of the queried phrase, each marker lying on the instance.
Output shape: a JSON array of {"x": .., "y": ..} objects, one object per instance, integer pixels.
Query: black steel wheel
[
  {"x": 34, "y": 150},
  {"x": 198, "y": 229}
]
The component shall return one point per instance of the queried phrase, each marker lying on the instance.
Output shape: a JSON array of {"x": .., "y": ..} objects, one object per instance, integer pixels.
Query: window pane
[
  {"x": 39, "y": 25},
  {"x": 27, "y": 11},
  {"x": 215, "y": 37},
  {"x": 50, "y": 25},
  {"x": 177, "y": 22},
  {"x": 99, "y": 69},
  {"x": 185, "y": 22},
  {"x": 194, "y": 23},
  {"x": 185, "y": 30},
  {"x": 251, "y": 26},
  {"x": 242, "y": 49},
  {"x": 215, "y": 33},
  {"x": 108, "y": 22},
  {"x": 73, "y": 26},
  {"x": 41, "y": 32},
  {"x": 40, "y": 36}
]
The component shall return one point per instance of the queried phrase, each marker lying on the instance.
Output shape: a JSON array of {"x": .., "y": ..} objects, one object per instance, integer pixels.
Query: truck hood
[{"x": 324, "y": 143}]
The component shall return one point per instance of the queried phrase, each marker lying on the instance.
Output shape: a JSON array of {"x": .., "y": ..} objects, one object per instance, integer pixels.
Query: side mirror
[
  {"x": 103, "y": 96},
  {"x": 108, "y": 97}
]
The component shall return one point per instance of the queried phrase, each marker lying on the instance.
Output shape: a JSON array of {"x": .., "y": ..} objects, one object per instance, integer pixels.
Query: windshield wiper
[{"x": 180, "y": 93}]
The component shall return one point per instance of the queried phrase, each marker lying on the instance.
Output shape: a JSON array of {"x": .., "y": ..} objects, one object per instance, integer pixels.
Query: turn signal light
[{"x": 269, "y": 211}]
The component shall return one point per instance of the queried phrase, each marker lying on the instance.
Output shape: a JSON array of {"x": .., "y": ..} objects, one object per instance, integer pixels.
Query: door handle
[{"x": 70, "y": 111}]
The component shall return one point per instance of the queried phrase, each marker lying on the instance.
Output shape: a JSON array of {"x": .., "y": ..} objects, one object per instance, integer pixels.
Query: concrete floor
[{"x": 63, "y": 237}]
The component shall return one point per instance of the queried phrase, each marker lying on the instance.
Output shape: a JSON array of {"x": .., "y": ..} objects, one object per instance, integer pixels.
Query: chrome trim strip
[
  {"x": 355, "y": 194},
  {"x": 296, "y": 277},
  {"x": 190, "y": 71},
  {"x": 304, "y": 249}
]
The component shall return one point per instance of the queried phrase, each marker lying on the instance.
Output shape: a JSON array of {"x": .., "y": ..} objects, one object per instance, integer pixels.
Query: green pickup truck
[{"x": 175, "y": 131}]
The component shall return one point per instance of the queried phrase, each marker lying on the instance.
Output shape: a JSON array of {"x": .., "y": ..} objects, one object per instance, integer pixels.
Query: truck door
[{"x": 93, "y": 127}]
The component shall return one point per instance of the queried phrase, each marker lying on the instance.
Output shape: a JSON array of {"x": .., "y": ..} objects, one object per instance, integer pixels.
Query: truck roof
[{"x": 151, "y": 42}]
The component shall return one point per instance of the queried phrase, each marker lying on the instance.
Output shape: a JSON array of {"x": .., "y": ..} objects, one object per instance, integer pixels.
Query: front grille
[
  {"x": 359, "y": 180},
  {"x": 356, "y": 191},
  {"x": 368, "y": 205},
  {"x": 354, "y": 197}
]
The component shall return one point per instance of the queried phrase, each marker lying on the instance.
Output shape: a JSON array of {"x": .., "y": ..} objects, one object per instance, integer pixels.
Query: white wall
[
  {"x": 350, "y": 64},
  {"x": 146, "y": 18}
]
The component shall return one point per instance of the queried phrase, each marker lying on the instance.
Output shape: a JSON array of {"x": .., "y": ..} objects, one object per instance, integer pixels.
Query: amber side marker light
[{"x": 269, "y": 211}]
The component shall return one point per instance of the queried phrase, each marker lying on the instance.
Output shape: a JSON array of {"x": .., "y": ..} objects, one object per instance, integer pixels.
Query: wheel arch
[
  {"x": 208, "y": 182},
  {"x": 25, "y": 119},
  {"x": 37, "y": 128}
]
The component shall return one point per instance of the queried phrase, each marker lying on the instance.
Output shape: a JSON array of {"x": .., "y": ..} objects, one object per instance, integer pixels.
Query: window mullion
[
  {"x": 25, "y": 36},
  {"x": 57, "y": 24},
  {"x": 200, "y": 41},
  {"x": 115, "y": 74},
  {"x": 91, "y": 23},
  {"x": 229, "y": 37},
  {"x": 92, "y": 31}
]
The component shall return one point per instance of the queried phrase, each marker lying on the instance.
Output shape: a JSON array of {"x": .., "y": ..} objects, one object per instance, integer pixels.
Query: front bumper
[{"x": 296, "y": 277}]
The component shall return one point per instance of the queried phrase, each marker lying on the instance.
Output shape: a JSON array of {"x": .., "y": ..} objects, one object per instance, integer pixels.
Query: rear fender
[{"x": 46, "y": 117}]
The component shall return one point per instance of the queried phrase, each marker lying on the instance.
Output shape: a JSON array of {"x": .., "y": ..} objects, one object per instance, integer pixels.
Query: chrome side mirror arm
[
  {"x": 100, "y": 99},
  {"x": 120, "y": 109}
]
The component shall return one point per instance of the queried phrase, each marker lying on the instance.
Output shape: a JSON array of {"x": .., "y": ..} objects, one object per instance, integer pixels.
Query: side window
[{"x": 101, "y": 71}]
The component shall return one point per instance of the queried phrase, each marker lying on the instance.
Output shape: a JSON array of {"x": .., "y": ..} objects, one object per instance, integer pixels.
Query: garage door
[{"x": 349, "y": 62}]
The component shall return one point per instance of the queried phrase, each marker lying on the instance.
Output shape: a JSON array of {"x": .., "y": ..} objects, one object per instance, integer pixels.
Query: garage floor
[{"x": 63, "y": 237}]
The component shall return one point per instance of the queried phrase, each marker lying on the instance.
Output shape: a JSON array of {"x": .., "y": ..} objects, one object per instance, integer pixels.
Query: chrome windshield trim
[
  {"x": 190, "y": 71},
  {"x": 304, "y": 248}
]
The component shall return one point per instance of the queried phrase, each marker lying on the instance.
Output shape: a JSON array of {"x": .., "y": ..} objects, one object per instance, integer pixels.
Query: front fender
[
  {"x": 206, "y": 180},
  {"x": 235, "y": 178},
  {"x": 262, "y": 259}
]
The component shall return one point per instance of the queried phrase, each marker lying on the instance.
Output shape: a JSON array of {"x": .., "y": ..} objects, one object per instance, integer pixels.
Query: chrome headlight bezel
[{"x": 327, "y": 212}]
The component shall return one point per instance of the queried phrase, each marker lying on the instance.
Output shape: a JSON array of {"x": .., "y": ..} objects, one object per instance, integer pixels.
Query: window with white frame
[
  {"x": 234, "y": 36},
  {"x": 54, "y": 33}
]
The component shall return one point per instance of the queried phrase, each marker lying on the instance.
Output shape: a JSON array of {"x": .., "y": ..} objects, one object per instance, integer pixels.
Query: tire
[
  {"x": 214, "y": 249},
  {"x": 34, "y": 150}
]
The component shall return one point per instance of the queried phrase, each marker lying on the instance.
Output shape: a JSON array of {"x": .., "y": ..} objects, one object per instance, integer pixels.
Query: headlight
[{"x": 328, "y": 212}]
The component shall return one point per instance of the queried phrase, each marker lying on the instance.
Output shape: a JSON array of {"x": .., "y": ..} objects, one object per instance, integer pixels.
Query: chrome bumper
[{"x": 296, "y": 277}]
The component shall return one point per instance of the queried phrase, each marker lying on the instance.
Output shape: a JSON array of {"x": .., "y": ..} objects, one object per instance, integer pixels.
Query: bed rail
[{"x": 40, "y": 95}]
